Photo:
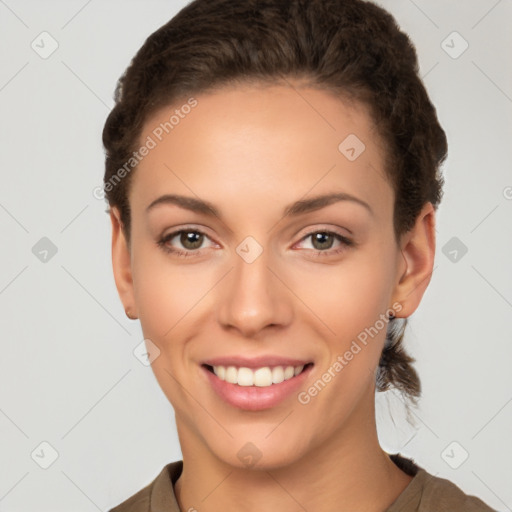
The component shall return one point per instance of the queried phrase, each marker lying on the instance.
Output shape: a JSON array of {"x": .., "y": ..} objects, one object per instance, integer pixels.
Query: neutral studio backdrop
[{"x": 74, "y": 398}]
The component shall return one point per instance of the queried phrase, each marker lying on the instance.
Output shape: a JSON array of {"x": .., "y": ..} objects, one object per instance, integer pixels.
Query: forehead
[{"x": 277, "y": 141}]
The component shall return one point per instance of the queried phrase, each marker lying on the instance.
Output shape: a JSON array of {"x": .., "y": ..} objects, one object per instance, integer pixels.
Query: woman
[{"x": 272, "y": 173}]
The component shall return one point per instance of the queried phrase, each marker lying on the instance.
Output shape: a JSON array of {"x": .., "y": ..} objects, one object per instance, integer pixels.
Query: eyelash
[{"x": 162, "y": 243}]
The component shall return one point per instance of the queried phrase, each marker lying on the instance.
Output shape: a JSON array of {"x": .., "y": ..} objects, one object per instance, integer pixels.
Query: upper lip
[{"x": 255, "y": 362}]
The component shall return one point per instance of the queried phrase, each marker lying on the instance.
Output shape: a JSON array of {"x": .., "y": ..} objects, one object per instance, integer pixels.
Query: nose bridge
[{"x": 253, "y": 299}]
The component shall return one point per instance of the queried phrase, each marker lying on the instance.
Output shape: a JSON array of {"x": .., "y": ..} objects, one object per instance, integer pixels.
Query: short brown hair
[{"x": 353, "y": 48}]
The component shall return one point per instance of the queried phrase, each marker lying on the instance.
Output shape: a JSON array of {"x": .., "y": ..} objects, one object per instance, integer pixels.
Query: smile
[
  {"x": 262, "y": 377},
  {"x": 255, "y": 389}
]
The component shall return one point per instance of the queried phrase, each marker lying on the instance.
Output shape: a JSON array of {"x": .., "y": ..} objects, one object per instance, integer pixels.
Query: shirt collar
[{"x": 162, "y": 497}]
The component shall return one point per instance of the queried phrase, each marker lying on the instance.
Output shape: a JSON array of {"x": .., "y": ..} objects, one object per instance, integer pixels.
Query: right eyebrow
[{"x": 186, "y": 202}]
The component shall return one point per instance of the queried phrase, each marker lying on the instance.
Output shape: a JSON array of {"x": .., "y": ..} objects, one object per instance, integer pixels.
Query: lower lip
[{"x": 255, "y": 398}]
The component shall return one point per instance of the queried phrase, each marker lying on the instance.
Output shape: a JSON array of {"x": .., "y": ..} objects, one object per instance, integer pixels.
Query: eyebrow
[{"x": 299, "y": 207}]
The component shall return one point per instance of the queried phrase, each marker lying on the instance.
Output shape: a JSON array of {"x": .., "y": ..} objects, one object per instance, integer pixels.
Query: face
[{"x": 267, "y": 280}]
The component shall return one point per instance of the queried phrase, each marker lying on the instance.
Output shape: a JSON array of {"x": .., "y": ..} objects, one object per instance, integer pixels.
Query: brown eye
[
  {"x": 194, "y": 238},
  {"x": 322, "y": 240},
  {"x": 189, "y": 242}
]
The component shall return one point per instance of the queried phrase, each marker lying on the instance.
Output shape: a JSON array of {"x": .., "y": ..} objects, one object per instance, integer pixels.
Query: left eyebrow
[{"x": 318, "y": 202}]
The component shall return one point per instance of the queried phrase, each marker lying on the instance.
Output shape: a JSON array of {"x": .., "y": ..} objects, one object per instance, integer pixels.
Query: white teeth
[
  {"x": 298, "y": 369},
  {"x": 221, "y": 372},
  {"x": 231, "y": 374},
  {"x": 261, "y": 377},
  {"x": 277, "y": 375},
  {"x": 245, "y": 377}
]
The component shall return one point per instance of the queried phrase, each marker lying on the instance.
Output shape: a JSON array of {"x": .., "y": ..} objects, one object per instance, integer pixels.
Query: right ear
[{"x": 121, "y": 263}]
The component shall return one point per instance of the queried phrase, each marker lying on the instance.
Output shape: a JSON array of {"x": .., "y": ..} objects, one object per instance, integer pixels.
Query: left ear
[{"x": 418, "y": 247}]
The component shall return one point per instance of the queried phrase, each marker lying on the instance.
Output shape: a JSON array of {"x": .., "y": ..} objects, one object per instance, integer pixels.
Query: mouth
[{"x": 255, "y": 389}]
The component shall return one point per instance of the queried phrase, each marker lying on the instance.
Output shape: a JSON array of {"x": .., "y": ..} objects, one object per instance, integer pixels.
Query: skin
[{"x": 251, "y": 151}]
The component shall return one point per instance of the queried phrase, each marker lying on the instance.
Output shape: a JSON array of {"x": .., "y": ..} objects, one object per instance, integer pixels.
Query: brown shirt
[{"x": 425, "y": 493}]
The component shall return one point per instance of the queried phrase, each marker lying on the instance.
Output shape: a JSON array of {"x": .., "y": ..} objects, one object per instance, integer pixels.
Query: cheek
[
  {"x": 166, "y": 294},
  {"x": 158, "y": 290},
  {"x": 348, "y": 296},
  {"x": 174, "y": 301},
  {"x": 168, "y": 298},
  {"x": 348, "y": 301}
]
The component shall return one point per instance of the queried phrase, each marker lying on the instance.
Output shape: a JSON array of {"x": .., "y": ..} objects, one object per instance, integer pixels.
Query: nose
[{"x": 254, "y": 297}]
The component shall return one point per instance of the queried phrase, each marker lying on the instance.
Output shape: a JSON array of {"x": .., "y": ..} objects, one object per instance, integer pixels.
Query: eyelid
[
  {"x": 326, "y": 228},
  {"x": 193, "y": 227}
]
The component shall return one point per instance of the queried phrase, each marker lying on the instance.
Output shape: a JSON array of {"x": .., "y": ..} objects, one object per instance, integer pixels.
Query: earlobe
[
  {"x": 418, "y": 248},
  {"x": 121, "y": 263}
]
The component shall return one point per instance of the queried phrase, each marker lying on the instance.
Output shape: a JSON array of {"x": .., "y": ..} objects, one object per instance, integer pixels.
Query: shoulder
[
  {"x": 427, "y": 492},
  {"x": 446, "y": 496},
  {"x": 160, "y": 489},
  {"x": 138, "y": 502}
]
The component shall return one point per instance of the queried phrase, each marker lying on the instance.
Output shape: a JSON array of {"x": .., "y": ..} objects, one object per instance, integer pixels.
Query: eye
[
  {"x": 322, "y": 241},
  {"x": 190, "y": 239}
]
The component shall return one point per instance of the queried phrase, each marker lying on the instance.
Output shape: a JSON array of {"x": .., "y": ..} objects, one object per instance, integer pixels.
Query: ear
[
  {"x": 121, "y": 263},
  {"x": 418, "y": 247}
]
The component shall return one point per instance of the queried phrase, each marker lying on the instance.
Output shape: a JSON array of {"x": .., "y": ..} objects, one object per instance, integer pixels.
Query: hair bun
[{"x": 395, "y": 365}]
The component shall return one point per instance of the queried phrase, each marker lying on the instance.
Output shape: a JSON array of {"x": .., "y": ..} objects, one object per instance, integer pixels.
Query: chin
[{"x": 260, "y": 455}]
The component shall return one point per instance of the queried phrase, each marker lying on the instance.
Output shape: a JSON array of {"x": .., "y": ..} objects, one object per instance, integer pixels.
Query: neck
[{"x": 348, "y": 472}]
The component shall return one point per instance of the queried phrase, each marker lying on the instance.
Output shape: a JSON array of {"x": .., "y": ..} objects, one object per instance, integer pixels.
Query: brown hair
[{"x": 353, "y": 48}]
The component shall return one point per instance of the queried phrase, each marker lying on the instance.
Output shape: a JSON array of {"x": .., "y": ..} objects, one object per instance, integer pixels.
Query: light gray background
[{"x": 68, "y": 374}]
